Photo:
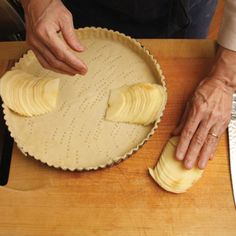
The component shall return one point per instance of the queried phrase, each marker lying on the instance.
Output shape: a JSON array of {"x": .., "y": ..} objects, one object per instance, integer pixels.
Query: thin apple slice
[
  {"x": 171, "y": 174},
  {"x": 27, "y": 94},
  {"x": 138, "y": 103}
]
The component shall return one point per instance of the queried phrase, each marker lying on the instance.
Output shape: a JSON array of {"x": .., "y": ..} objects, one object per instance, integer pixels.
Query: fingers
[
  {"x": 46, "y": 65},
  {"x": 204, "y": 147},
  {"x": 53, "y": 52},
  {"x": 187, "y": 133},
  {"x": 41, "y": 59},
  {"x": 196, "y": 143},
  {"x": 64, "y": 54},
  {"x": 210, "y": 112},
  {"x": 70, "y": 36},
  {"x": 54, "y": 63},
  {"x": 207, "y": 150},
  {"x": 209, "y": 147},
  {"x": 49, "y": 61}
]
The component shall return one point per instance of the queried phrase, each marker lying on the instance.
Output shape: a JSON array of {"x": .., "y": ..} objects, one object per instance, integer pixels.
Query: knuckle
[
  {"x": 207, "y": 141},
  {"x": 220, "y": 117},
  {"x": 55, "y": 64},
  {"x": 40, "y": 30},
  {"x": 226, "y": 118},
  {"x": 187, "y": 133},
  {"x": 215, "y": 116},
  {"x": 198, "y": 108},
  {"x": 210, "y": 140},
  {"x": 66, "y": 16},
  {"x": 198, "y": 139},
  {"x": 60, "y": 55},
  {"x": 193, "y": 120},
  {"x": 69, "y": 15}
]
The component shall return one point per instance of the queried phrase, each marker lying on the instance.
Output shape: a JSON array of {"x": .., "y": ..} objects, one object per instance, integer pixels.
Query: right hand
[{"x": 44, "y": 19}]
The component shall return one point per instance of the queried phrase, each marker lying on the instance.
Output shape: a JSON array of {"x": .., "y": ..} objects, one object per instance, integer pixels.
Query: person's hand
[
  {"x": 44, "y": 20},
  {"x": 208, "y": 113}
]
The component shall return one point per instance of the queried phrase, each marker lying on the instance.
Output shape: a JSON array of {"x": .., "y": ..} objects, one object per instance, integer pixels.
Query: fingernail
[
  {"x": 80, "y": 48},
  {"x": 179, "y": 155},
  {"x": 188, "y": 164},
  {"x": 202, "y": 164},
  {"x": 83, "y": 71}
]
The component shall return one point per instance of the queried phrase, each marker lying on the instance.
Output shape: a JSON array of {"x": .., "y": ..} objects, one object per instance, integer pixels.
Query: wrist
[{"x": 224, "y": 68}]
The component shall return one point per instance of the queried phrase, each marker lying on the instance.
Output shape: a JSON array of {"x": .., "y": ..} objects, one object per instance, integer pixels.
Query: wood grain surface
[{"x": 123, "y": 199}]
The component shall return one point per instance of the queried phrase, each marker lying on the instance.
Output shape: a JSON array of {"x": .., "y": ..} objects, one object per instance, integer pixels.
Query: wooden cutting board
[{"x": 123, "y": 199}]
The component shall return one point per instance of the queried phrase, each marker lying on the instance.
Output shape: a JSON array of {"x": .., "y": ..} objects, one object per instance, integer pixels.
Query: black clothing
[{"x": 146, "y": 19}]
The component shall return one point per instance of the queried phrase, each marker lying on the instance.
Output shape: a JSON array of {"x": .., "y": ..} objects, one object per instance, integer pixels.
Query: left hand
[{"x": 207, "y": 114}]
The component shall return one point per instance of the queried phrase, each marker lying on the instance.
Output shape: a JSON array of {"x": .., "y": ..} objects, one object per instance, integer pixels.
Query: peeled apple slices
[
  {"x": 27, "y": 94},
  {"x": 140, "y": 103},
  {"x": 170, "y": 173}
]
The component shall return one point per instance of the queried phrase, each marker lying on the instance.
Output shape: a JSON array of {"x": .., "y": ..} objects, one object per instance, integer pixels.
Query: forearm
[
  {"x": 224, "y": 68},
  {"x": 227, "y": 33}
]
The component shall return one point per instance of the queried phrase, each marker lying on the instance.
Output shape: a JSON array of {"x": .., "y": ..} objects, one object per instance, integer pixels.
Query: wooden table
[{"x": 124, "y": 200}]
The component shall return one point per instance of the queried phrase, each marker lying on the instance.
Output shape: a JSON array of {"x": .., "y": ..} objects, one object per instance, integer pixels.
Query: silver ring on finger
[{"x": 213, "y": 134}]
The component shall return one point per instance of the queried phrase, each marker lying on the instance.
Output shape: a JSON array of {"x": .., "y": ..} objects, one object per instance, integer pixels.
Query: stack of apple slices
[
  {"x": 27, "y": 94},
  {"x": 170, "y": 173},
  {"x": 140, "y": 103}
]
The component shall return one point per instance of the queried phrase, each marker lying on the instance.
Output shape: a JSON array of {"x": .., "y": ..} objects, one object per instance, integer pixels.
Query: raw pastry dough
[{"x": 77, "y": 135}]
